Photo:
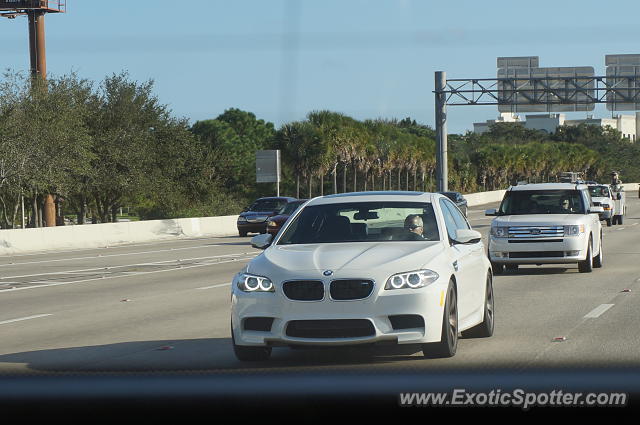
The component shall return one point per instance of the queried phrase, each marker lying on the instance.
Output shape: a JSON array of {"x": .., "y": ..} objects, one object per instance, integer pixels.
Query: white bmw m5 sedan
[{"x": 361, "y": 268}]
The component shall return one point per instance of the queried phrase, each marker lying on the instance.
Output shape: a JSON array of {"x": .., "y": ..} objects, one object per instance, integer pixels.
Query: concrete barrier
[
  {"x": 481, "y": 198},
  {"x": 18, "y": 241}
]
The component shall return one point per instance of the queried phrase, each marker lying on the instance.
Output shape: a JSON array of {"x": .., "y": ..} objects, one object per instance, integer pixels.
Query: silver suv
[{"x": 548, "y": 223}]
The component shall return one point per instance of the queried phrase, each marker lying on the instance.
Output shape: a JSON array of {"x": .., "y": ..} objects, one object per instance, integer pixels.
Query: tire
[
  {"x": 586, "y": 266},
  {"x": 448, "y": 343},
  {"x": 497, "y": 268},
  {"x": 248, "y": 353},
  {"x": 242, "y": 234},
  {"x": 608, "y": 222},
  {"x": 484, "y": 329},
  {"x": 598, "y": 259},
  {"x": 511, "y": 267}
]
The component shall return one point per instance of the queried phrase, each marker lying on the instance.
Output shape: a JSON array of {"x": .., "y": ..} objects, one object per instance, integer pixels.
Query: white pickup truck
[
  {"x": 601, "y": 195},
  {"x": 546, "y": 223}
]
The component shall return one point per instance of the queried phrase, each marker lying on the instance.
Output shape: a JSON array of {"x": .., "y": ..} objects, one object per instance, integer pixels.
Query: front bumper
[
  {"x": 570, "y": 249},
  {"x": 427, "y": 302},
  {"x": 252, "y": 227}
]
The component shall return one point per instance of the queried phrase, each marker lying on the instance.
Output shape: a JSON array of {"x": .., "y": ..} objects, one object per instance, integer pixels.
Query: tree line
[{"x": 102, "y": 146}]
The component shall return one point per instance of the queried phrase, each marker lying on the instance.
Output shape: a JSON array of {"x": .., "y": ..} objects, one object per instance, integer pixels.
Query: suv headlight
[
  {"x": 499, "y": 232},
  {"x": 272, "y": 223},
  {"x": 242, "y": 219},
  {"x": 251, "y": 283},
  {"x": 413, "y": 280},
  {"x": 574, "y": 230}
]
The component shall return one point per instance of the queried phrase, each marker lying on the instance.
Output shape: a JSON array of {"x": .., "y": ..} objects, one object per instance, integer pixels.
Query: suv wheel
[
  {"x": 597, "y": 261},
  {"x": 586, "y": 266}
]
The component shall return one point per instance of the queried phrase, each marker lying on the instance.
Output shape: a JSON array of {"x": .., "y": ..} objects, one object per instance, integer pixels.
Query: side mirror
[
  {"x": 261, "y": 241},
  {"x": 596, "y": 210},
  {"x": 490, "y": 212},
  {"x": 245, "y": 209},
  {"x": 467, "y": 236}
]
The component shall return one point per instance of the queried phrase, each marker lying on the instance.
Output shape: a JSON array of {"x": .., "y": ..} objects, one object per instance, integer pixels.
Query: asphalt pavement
[{"x": 164, "y": 307}]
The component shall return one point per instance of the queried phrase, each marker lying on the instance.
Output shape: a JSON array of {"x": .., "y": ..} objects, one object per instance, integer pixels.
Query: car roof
[
  {"x": 548, "y": 186},
  {"x": 375, "y": 196}
]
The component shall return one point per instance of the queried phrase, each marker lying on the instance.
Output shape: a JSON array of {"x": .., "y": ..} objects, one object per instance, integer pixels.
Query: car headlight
[
  {"x": 272, "y": 223},
  {"x": 499, "y": 232},
  {"x": 606, "y": 207},
  {"x": 242, "y": 219},
  {"x": 413, "y": 280},
  {"x": 574, "y": 230},
  {"x": 251, "y": 283}
]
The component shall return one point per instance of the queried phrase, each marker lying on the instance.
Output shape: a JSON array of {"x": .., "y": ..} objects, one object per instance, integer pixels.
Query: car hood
[
  {"x": 536, "y": 219},
  {"x": 397, "y": 256},
  {"x": 280, "y": 218}
]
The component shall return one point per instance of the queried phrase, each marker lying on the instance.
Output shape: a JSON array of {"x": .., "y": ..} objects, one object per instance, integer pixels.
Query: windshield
[
  {"x": 599, "y": 191},
  {"x": 520, "y": 202},
  {"x": 363, "y": 222},
  {"x": 291, "y": 207},
  {"x": 268, "y": 205}
]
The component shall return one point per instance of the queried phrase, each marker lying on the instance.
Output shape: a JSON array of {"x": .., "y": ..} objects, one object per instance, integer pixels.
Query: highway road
[{"x": 165, "y": 307}]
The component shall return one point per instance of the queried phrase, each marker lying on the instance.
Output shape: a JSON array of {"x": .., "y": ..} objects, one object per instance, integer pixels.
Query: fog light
[
  {"x": 498, "y": 254},
  {"x": 572, "y": 253}
]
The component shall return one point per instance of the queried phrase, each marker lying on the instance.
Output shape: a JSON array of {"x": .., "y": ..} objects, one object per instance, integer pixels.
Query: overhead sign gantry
[{"x": 522, "y": 86}]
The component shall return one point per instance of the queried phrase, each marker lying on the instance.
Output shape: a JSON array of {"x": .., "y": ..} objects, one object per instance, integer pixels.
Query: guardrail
[{"x": 101, "y": 235}]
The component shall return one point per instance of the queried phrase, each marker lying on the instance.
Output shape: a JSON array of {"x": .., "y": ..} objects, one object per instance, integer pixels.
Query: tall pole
[
  {"x": 442, "y": 172},
  {"x": 38, "y": 59}
]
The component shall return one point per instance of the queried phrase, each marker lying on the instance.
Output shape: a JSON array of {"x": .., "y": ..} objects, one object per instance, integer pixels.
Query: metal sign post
[{"x": 442, "y": 170}]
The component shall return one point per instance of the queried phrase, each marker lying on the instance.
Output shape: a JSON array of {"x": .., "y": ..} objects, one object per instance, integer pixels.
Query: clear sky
[{"x": 281, "y": 59}]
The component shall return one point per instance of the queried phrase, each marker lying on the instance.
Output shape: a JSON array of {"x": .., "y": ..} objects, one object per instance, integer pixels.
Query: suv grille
[
  {"x": 530, "y": 232},
  {"x": 338, "y": 328},
  {"x": 350, "y": 289},
  {"x": 304, "y": 290}
]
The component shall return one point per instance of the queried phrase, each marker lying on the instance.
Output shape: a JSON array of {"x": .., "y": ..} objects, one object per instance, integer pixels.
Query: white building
[{"x": 628, "y": 125}]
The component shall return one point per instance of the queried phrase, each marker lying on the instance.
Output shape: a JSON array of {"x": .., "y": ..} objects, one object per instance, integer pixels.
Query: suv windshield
[
  {"x": 268, "y": 205},
  {"x": 599, "y": 191},
  {"x": 362, "y": 222},
  {"x": 520, "y": 202}
]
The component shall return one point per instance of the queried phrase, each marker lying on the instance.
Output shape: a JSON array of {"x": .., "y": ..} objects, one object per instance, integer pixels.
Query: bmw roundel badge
[{"x": 327, "y": 272}]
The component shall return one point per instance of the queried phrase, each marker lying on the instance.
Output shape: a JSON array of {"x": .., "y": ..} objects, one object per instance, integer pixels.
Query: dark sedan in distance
[
  {"x": 274, "y": 224},
  {"x": 457, "y": 199},
  {"x": 253, "y": 219}
]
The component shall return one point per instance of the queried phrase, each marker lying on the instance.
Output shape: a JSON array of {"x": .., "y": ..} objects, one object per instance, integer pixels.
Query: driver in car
[{"x": 413, "y": 223}]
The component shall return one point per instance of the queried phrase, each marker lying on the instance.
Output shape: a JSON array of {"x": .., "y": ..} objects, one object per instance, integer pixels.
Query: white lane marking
[
  {"x": 219, "y": 285},
  {"x": 107, "y": 255},
  {"x": 24, "y": 318},
  {"x": 598, "y": 311},
  {"x": 634, "y": 224},
  {"x": 95, "y": 269},
  {"x": 620, "y": 228},
  {"x": 45, "y": 285}
]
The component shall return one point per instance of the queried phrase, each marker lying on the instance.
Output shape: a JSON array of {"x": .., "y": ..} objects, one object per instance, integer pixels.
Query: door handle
[{"x": 455, "y": 265}]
